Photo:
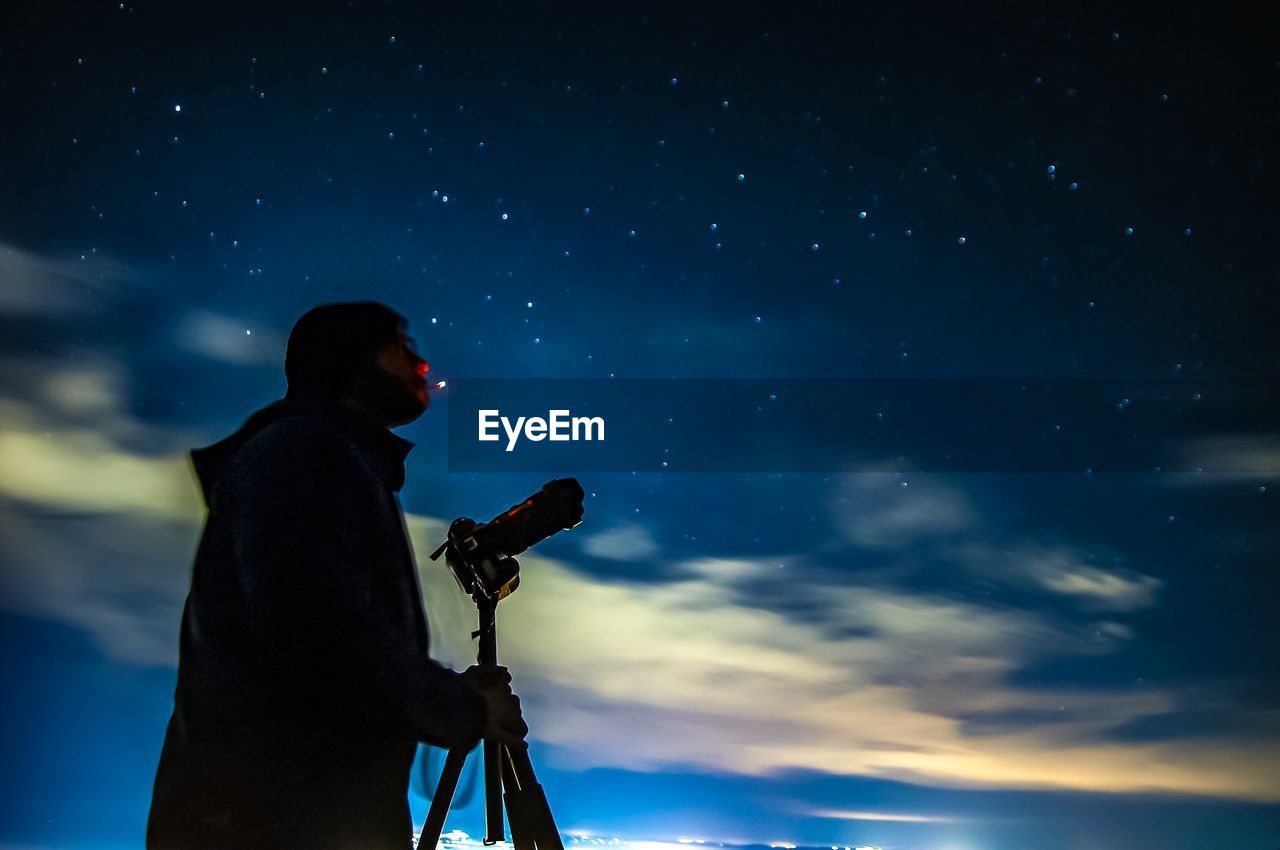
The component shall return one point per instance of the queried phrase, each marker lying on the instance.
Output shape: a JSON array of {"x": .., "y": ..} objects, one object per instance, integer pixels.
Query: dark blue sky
[{"x": 896, "y": 659}]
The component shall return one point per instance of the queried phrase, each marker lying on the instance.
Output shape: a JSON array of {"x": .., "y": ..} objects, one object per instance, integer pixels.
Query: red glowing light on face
[{"x": 423, "y": 369}]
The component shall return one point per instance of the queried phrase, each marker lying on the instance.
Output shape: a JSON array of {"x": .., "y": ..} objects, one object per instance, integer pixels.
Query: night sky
[{"x": 898, "y": 658}]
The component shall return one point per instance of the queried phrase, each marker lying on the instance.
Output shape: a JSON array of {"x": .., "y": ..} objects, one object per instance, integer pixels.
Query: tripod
[{"x": 505, "y": 768}]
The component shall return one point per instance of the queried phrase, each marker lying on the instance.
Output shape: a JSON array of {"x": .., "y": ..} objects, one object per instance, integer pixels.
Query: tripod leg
[
  {"x": 448, "y": 784},
  {"x": 523, "y": 834},
  {"x": 493, "y": 794},
  {"x": 487, "y": 654},
  {"x": 525, "y": 795}
]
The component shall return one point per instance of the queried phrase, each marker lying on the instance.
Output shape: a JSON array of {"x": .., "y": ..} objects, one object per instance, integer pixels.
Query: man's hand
[{"x": 505, "y": 724}]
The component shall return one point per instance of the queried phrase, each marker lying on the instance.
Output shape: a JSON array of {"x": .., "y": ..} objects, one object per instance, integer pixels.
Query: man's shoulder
[
  {"x": 307, "y": 442},
  {"x": 302, "y": 427}
]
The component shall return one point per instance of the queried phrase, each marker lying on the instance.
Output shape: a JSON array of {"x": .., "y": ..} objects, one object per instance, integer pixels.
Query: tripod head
[{"x": 482, "y": 556}]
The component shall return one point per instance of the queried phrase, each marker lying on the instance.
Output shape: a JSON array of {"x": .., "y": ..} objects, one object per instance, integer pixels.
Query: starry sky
[{"x": 894, "y": 656}]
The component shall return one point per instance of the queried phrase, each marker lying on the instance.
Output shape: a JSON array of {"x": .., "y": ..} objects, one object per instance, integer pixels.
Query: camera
[{"x": 482, "y": 556}]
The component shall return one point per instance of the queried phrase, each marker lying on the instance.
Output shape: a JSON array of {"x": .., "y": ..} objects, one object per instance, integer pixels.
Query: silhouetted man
[{"x": 304, "y": 682}]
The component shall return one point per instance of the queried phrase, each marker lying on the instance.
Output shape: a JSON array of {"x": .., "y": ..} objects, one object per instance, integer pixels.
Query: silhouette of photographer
[{"x": 304, "y": 683}]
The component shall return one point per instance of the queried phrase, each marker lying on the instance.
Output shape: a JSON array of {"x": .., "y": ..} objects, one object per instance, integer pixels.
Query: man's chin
[
  {"x": 400, "y": 402},
  {"x": 420, "y": 406}
]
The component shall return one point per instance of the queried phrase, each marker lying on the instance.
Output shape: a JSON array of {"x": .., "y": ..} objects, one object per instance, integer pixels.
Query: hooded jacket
[{"x": 304, "y": 681}]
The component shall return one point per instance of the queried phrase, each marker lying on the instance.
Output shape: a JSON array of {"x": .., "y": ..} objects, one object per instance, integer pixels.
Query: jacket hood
[
  {"x": 390, "y": 449},
  {"x": 210, "y": 460}
]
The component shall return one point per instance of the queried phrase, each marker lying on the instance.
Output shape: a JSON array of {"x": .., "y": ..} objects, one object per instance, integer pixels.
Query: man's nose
[{"x": 422, "y": 368}]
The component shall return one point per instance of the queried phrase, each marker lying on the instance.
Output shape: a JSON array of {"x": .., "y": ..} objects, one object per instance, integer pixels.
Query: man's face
[{"x": 401, "y": 390}]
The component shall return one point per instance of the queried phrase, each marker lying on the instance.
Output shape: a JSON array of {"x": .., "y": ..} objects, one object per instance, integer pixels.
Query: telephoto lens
[
  {"x": 482, "y": 557},
  {"x": 556, "y": 507}
]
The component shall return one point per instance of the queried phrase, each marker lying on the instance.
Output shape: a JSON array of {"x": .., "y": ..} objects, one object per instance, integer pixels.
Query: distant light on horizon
[{"x": 581, "y": 838}]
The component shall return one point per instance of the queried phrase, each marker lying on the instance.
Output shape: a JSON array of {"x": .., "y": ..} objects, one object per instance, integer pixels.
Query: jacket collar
[{"x": 385, "y": 450}]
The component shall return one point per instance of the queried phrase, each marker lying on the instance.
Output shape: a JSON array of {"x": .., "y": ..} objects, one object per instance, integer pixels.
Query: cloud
[
  {"x": 840, "y": 814},
  {"x": 893, "y": 513},
  {"x": 35, "y": 285},
  {"x": 1106, "y": 590},
  {"x": 649, "y": 677},
  {"x": 98, "y": 511},
  {"x": 228, "y": 339},
  {"x": 622, "y": 543},
  {"x": 1064, "y": 571},
  {"x": 120, "y": 577},
  {"x": 712, "y": 670},
  {"x": 1228, "y": 455},
  {"x": 885, "y": 511},
  {"x": 70, "y": 446}
]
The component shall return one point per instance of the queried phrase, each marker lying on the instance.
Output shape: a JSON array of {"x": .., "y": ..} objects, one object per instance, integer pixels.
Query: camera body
[{"x": 482, "y": 556}]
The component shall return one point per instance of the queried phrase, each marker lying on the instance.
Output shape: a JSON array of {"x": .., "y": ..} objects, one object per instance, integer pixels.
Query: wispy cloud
[
  {"x": 839, "y": 814},
  {"x": 1062, "y": 570},
  {"x": 32, "y": 284},
  {"x": 622, "y": 543},
  {"x": 1226, "y": 454},
  {"x": 697, "y": 679},
  {"x": 98, "y": 509},
  {"x": 711, "y": 670},
  {"x": 1107, "y": 590},
  {"x": 228, "y": 339},
  {"x": 67, "y": 443},
  {"x": 885, "y": 511}
]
